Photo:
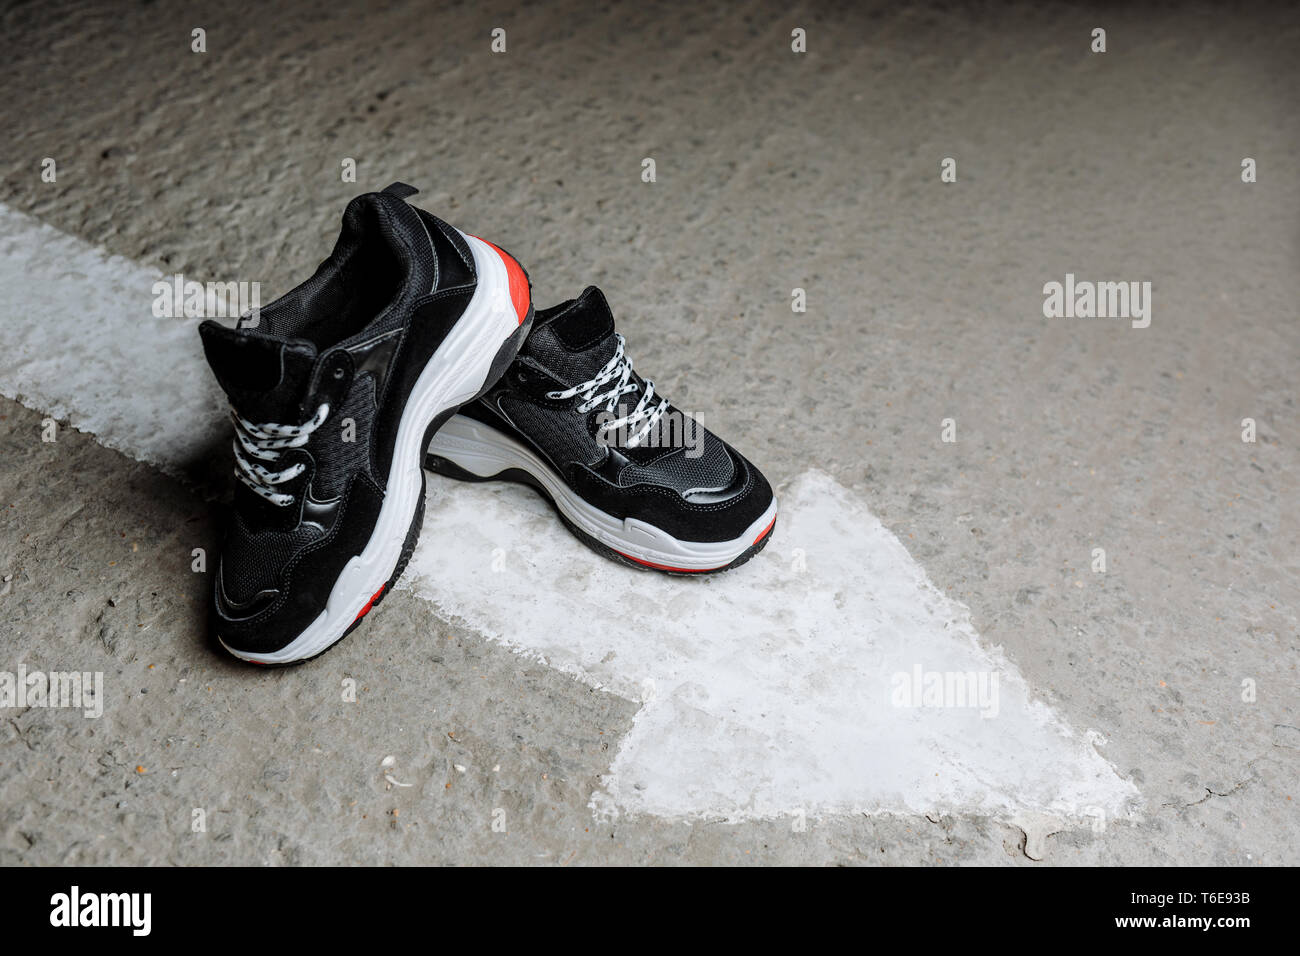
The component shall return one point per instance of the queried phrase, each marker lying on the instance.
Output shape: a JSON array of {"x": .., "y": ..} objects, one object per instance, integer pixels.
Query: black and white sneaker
[
  {"x": 335, "y": 389},
  {"x": 631, "y": 475}
]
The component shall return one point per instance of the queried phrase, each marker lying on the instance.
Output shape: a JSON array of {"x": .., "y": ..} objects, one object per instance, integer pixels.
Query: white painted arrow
[
  {"x": 785, "y": 685},
  {"x": 812, "y": 679}
]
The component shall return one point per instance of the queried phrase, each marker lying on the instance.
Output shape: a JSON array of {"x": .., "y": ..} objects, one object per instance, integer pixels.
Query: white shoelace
[
  {"x": 619, "y": 367},
  {"x": 265, "y": 443}
]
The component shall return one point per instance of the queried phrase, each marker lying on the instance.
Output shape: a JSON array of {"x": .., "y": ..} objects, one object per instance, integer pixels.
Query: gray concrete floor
[{"x": 775, "y": 171}]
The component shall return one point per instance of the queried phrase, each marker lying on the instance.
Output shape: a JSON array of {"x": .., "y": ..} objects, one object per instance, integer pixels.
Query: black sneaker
[
  {"x": 335, "y": 390},
  {"x": 631, "y": 475}
]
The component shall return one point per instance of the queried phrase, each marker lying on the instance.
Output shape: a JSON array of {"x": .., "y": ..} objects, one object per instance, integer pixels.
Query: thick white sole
[
  {"x": 456, "y": 373},
  {"x": 485, "y": 452}
]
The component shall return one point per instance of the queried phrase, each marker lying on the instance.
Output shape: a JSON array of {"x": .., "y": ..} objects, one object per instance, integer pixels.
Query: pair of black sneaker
[{"x": 414, "y": 345}]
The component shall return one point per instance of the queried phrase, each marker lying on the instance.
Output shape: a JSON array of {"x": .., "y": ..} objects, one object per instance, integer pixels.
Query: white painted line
[
  {"x": 774, "y": 689},
  {"x": 78, "y": 340}
]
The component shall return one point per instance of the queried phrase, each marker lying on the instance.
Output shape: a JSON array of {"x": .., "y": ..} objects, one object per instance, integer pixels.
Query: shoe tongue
[
  {"x": 267, "y": 378},
  {"x": 574, "y": 340}
]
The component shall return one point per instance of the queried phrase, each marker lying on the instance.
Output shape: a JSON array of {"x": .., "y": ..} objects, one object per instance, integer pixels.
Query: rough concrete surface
[{"x": 775, "y": 170}]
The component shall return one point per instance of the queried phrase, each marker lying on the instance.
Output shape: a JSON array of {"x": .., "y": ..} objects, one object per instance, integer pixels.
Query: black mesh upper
[
  {"x": 252, "y": 560},
  {"x": 574, "y": 341},
  {"x": 337, "y": 460},
  {"x": 712, "y": 470},
  {"x": 561, "y": 431},
  {"x": 546, "y": 350}
]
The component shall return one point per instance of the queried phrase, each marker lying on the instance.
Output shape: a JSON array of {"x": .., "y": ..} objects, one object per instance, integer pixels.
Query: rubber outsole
[{"x": 443, "y": 466}]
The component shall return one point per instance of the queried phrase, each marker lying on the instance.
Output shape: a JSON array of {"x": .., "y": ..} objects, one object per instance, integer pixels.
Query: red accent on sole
[
  {"x": 519, "y": 296},
  {"x": 369, "y": 604},
  {"x": 764, "y": 533},
  {"x": 667, "y": 567}
]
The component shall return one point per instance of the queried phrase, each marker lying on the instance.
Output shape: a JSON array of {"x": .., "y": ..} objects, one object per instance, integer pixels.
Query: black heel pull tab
[{"x": 400, "y": 190}]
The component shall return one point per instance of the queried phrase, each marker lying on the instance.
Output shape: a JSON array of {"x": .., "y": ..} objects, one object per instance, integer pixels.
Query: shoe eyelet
[{"x": 339, "y": 372}]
